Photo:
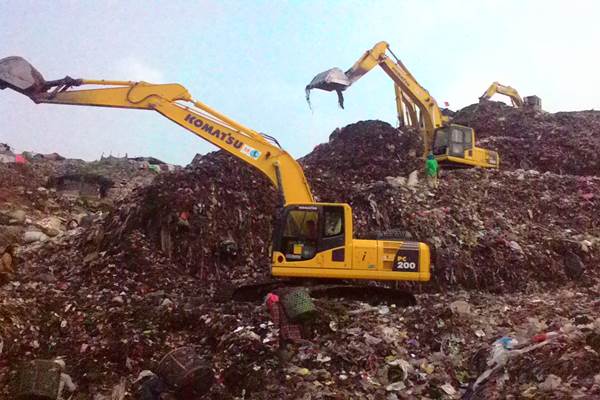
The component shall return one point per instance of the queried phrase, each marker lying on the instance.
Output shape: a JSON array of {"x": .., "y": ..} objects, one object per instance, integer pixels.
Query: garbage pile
[
  {"x": 15, "y": 175},
  {"x": 512, "y": 309},
  {"x": 493, "y": 230},
  {"x": 361, "y": 153},
  {"x": 110, "y": 325},
  {"x": 49, "y": 196},
  {"x": 563, "y": 143},
  {"x": 214, "y": 218}
]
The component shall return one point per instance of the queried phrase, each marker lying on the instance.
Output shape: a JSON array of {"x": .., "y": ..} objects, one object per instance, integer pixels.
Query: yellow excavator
[
  {"x": 512, "y": 93},
  {"x": 310, "y": 239},
  {"x": 453, "y": 145}
]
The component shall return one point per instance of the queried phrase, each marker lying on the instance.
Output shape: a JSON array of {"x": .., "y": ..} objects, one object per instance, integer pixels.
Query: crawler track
[{"x": 335, "y": 290}]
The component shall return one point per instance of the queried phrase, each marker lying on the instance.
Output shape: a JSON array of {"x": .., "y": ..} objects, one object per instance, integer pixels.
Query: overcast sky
[{"x": 252, "y": 59}]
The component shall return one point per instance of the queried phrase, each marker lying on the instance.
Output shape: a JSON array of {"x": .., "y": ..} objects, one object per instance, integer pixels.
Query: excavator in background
[
  {"x": 512, "y": 93},
  {"x": 453, "y": 145},
  {"x": 310, "y": 239}
]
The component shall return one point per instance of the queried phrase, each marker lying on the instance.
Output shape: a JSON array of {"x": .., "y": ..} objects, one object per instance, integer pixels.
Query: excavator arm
[
  {"x": 512, "y": 93},
  {"x": 174, "y": 102}
]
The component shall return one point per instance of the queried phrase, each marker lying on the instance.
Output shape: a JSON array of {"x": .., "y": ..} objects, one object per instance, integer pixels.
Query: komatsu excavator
[
  {"x": 453, "y": 145},
  {"x": 310, "y": 239},
  {"x": 512, "y": 93}
]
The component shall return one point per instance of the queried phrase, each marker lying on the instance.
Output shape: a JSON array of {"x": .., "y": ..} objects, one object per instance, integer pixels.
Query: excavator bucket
[
  {"x": 18, "y": 74},
  {"x": 330, "y": 80}
]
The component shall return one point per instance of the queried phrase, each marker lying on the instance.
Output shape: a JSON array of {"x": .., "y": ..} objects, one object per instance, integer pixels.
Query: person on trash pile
[
  {"x": 432, "y": 169},
  {"x": 288, "y": 331}
]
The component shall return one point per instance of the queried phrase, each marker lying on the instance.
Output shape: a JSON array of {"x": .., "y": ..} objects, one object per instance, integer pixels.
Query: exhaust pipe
[{"x": 18, "y": 74}]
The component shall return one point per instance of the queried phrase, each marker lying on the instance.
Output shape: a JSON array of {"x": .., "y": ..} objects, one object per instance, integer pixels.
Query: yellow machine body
[
  {"x": 336, "y": 254},
  {"x": 453, "y": 147}
]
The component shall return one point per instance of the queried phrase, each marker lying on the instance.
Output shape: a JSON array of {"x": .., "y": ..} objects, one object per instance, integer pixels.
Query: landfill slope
[
  {"x": 515, "y": 255},
  {"x": 361, "y": 153},
  {"x": 562, "y": 142},
  {"x": 494, "y": 230},
  {"x": 214, "y": 218}
]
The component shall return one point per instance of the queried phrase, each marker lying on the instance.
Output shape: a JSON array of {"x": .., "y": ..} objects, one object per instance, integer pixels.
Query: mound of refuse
[
  {"x": 563, "y": 143},
  {"x": 110, "y": 321},
  {"x": 213, "y": 218},
  {"x": 365, "y": 151},
  {"x": 511, "y": 309},
  {"x": 493, "y": 230}
]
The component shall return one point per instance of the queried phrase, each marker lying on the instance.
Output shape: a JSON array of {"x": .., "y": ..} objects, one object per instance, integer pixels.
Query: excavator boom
[{"x": 175, "y": 103}]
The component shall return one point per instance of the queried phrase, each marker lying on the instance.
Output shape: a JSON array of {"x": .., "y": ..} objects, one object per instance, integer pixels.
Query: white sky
[{"x": 251, "y": 61}]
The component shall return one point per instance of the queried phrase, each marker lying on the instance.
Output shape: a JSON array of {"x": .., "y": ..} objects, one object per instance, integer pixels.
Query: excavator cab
[
  {"x": 306, "y": 230},
  {"x": 454, "y": 147},
  {"x": 316, "y": 240}
]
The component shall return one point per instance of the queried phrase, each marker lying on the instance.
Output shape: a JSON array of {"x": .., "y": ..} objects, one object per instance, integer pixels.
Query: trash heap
[
  {"x": 214, "y": 218},
  {"x": 361, "y": 153},
  {"x": 493, "y": 230},
  {"x": 111, "y": 323},
  {"x": 50, "y": 196},
  {"x": 17, "y": 175},
  {"x": 563, "y": 142},
  {"x": 512, "y": 309}
]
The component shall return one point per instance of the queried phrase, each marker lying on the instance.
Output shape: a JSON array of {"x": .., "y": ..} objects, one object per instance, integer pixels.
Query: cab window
[
  {"x": 300, "y": 235},
  {"x": 333, "y": 225},
  {"x": 461, "y": 140},
  {"x": 468, "y": 138},
  {"x": 457, "y": 135},
  {"x": 457, "y": 145},
  {"x": 440, "y": 141}
]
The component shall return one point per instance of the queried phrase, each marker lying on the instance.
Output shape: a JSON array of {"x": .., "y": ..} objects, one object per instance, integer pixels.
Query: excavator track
[{"x": 373, "y": 295}]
